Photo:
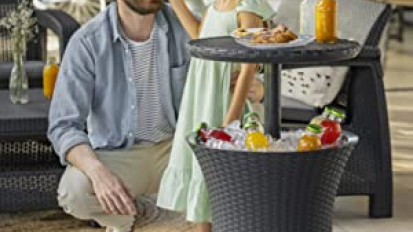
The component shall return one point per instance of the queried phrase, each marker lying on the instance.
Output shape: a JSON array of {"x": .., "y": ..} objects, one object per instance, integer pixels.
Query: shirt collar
[{"x": 114, "y": 21}]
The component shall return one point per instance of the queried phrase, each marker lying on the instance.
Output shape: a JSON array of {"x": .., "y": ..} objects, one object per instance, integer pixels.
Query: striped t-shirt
[{"x": 152, "y": 124}]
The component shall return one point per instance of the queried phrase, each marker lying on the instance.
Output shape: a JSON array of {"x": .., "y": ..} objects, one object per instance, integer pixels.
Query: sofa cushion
[{"x": 34, "y": 71}]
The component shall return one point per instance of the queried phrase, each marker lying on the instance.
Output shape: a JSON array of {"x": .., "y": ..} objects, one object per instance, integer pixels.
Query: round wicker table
[{"x": 273, "y": 191}]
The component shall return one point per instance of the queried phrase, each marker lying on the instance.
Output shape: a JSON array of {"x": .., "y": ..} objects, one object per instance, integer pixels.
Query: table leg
[{"x": 272, "y": 99}]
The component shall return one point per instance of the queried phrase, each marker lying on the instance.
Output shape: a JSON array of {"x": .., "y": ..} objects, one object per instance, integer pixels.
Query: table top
[
  {"x": 29, "y": 120},
  {"x": 226, "y": 49}
]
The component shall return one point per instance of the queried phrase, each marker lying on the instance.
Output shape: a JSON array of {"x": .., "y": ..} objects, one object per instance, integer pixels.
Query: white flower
[{"x": 21, "y": 25}]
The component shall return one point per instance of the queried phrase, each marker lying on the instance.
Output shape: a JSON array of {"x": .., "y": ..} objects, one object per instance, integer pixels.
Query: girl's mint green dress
[{"x": 207, "y": 99}]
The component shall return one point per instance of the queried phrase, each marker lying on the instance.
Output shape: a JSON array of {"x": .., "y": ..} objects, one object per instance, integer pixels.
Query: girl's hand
[
  {"x": 246, "y": 75},
  {"x": 256, "y": 89},
  {"x": 234, "y": 79},
  {"x": 191, "y": 24}
]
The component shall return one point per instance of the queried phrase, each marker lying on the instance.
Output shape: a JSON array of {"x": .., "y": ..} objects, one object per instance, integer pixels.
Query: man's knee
[{"x": 75, "y": 193}]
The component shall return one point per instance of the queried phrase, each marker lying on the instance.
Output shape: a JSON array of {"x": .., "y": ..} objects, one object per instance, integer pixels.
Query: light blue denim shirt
[{"x": 95, "y": 98}]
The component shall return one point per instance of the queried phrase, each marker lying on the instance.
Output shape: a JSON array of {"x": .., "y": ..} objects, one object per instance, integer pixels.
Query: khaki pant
[{"x": 140, "y": 168}]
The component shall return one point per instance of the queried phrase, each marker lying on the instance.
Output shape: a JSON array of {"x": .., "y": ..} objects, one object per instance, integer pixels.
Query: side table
[
  {"x": 29, "y": 169},
  {"x": 278, "y": 190}
]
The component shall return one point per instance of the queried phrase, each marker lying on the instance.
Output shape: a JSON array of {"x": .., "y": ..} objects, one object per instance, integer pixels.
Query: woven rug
[{"x": 150, "y": 219}]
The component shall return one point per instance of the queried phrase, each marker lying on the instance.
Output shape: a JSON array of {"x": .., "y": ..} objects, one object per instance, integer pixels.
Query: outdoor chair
[
  {"x": 29, "y": 169},
  {"x": 369, "y": 171}
]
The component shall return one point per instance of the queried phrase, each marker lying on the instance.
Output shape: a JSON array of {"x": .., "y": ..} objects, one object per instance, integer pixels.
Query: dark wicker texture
[
  {"x": 21, "y": 122},
  {"x": 226, "y": 49},
  {"x": 27, "y": 188},
  {"x": 267, "y": 192},
  {"x": 29, "y": 168}
]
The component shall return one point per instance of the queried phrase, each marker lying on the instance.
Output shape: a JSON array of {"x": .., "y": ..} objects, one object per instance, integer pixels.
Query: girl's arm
[
  {"x": 247, "y": 74},
  {"x": 191, "y": 24}
]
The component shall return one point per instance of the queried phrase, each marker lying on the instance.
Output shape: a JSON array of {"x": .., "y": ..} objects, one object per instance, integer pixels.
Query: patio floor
[{"x": 350, "y": 212}]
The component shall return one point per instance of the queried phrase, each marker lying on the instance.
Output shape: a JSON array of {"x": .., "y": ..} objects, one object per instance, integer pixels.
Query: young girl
[{"x": 207, "y": 98}]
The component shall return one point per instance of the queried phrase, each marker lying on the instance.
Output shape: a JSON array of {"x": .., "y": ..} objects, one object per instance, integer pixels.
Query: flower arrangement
[
  {"x": 22, "y": 28},
  {"x": 21, "y": 25}
]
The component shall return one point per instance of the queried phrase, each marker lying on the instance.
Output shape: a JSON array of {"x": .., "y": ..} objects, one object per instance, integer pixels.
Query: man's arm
[
  {"x": 70, "y": 107},
  {"x": 72, "y": 99}
]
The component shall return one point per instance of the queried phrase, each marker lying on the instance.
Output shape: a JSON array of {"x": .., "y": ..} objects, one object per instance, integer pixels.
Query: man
[{"x": 115, "y": 107}]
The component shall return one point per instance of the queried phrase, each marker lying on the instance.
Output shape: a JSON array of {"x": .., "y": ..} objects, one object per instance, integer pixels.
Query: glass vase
[{"x": 19, "y": 83}]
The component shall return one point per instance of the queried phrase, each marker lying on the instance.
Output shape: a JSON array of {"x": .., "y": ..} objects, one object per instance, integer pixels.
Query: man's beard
[{"x": 141, "y": 8}]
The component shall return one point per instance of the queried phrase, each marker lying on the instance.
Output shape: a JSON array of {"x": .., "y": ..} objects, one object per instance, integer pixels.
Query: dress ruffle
[{"x": 179, "y": 192}]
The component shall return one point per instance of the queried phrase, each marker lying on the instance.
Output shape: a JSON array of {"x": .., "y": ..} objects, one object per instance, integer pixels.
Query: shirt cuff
[{"x": 68, "y": 141}]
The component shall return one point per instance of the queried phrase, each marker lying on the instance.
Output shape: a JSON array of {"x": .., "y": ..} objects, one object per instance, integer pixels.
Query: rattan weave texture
[{"x": 267, "y": 192}]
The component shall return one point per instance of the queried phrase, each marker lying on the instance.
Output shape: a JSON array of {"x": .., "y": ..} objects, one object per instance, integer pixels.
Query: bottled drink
[
  {"x": 204, "y": 133},
  {"x": 50, "y": 72},
  {"x": 310, "y": 140},
  {"x": 331, "y": 127},
  {"x": 220, "y": 135},
  {"x": 253, "y": 117},
  {"x": 255, "y": 139},
  {"x": 326, "y": 21},
  {"x": 307, "y": 17},
  {"x": 318, "y": 119}
]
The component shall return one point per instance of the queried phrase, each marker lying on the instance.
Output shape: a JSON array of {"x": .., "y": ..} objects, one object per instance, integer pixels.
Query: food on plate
[
  {"x": 279, "y": 34},
  {"x": 242, "y": 32}
]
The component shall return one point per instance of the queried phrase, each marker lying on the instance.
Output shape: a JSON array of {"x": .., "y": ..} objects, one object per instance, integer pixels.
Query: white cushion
[{"x": 319, "y": 86}]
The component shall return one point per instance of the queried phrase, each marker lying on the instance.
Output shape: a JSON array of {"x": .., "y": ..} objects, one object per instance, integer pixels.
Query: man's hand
[{"x": 112, "y": 194}]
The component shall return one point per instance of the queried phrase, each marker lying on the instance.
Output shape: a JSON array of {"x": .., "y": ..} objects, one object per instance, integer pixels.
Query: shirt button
[
  {"x": 126, "y": 50},
  {"x": 130, "y": 134},
  {"x": 130, "y": 79},
  {"x": 133, "y": 107}
]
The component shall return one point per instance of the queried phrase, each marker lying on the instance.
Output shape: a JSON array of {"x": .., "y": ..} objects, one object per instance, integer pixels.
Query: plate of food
[
  {"x": 243, "y": 33},
  {"x": 264, "y": 38}
]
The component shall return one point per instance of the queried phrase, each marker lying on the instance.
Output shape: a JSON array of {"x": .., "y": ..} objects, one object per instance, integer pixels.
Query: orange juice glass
[{"x": 50, "y": 73}]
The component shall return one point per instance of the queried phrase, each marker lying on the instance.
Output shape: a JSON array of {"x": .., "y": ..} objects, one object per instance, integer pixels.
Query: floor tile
[{"x": 351, "y": 214}]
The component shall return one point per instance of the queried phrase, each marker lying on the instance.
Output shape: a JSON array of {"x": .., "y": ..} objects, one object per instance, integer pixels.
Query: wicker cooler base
[{"x": 273, "y": 192}]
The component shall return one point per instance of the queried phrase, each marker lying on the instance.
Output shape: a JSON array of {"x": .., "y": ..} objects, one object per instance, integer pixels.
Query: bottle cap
[
  {"x": 314, "y": 128},
  {"x": 328, "y": 109},
  {"x": 251, "y": 124},
  {"x": 338, "y": 113},
  {"x": 202, "y": 125},
  {"x": 250, "y": 115}
]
